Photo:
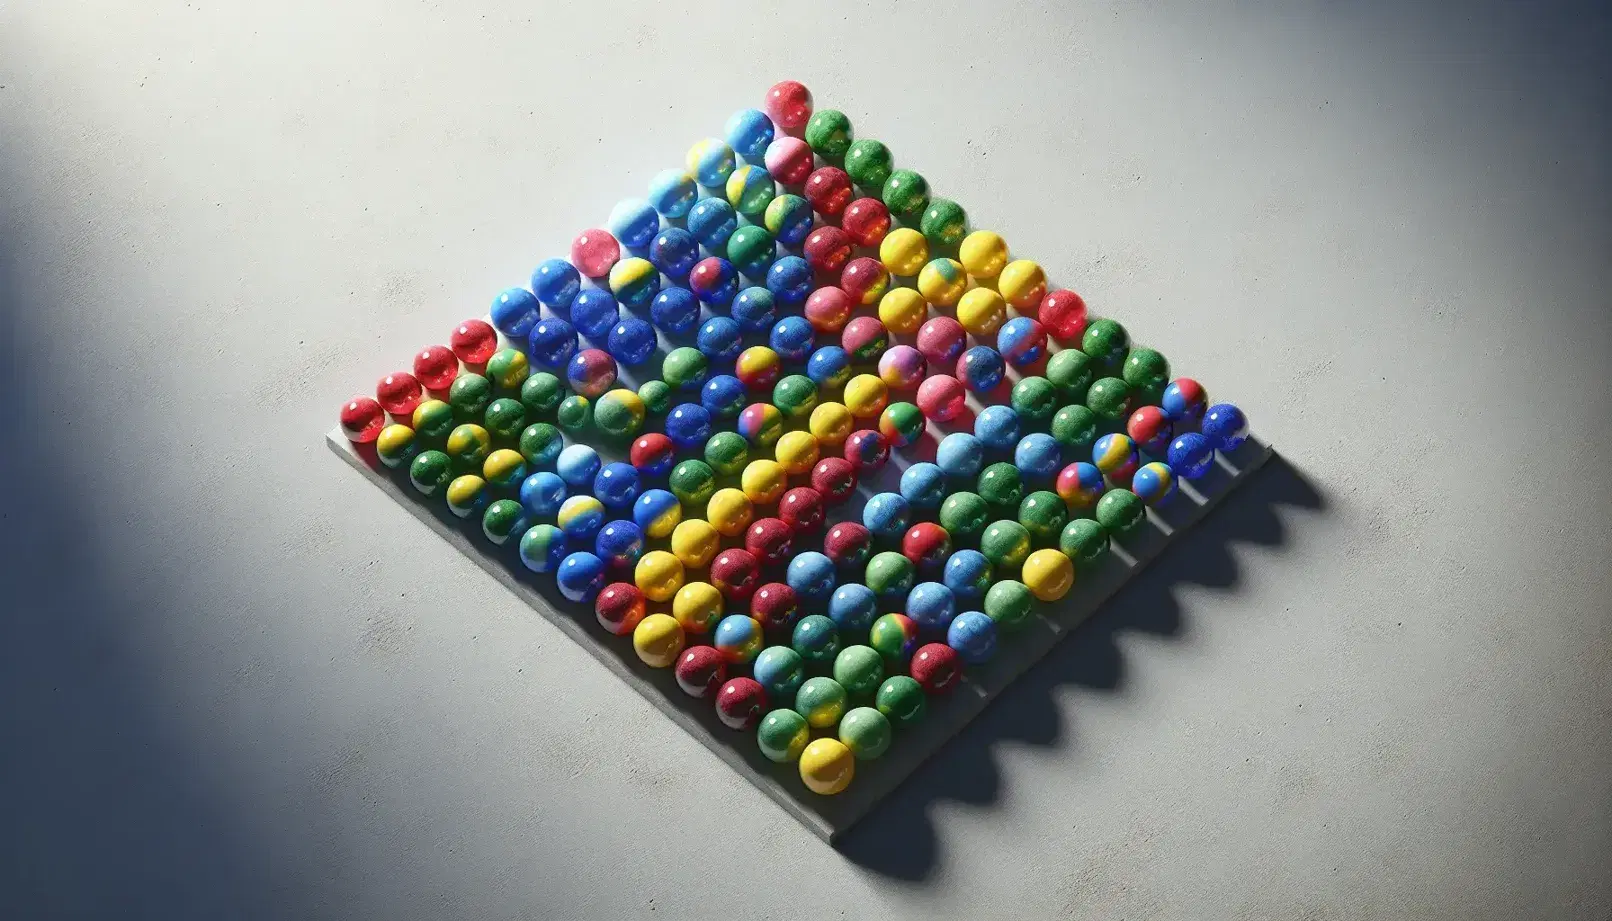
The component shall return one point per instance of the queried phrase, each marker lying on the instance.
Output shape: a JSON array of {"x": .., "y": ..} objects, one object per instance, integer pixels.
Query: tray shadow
[{"x": 899, "y": 839}]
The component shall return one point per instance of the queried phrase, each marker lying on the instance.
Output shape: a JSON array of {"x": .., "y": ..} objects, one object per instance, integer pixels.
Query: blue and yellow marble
[
  {"x": 634, "y": 281},
  {"x": 711, "y": 161},
  {"x": 750, "y": 190},
  {"x": 581, "y": 517}
]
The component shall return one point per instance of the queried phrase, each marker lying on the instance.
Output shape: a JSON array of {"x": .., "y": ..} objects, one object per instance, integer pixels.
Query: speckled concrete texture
[{"x": 241, "y": 683}]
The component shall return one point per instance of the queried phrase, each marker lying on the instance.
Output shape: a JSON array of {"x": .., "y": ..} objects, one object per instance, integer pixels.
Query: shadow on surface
[
  {"x": 898, "y": 839},
  {"x": 110, "y": 809}
]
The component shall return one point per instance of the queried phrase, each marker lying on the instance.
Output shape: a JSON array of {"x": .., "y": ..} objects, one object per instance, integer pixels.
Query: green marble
[
  {"x": 1146, "y": 370},
  {"x": 1006, "y": 544},
  {"x": 1120, "y": 511},
  {"x": 619, "y": 415},
  {"x": 828, "y": 134},
  {"x": 822, "y": 701},
  {"x": 1072, "y": 372},
  {"x": 1110, "y": 400},
  {"x": 431, "y": 472},
  {"x": 727, "y": 453},
  {"x": 751, "y": 250},
  {"x": 866, "y": 732},
  {"x": 890, "y": 575},
  {"x": 542, "y": 393},
  {"x": 657, "y": 397},
  {"x": 538, "y": 439},
  {"x": 1009, "y": 603},
  {"x": 433, "y": 420},
  {"x": 1084, "y": 541},
  {"x": 575, "y": 414},
  {"x": 504, "y": 519},
  {"x": 795, "y": 396},
  {"x": 782, "y": 736},
  {"x": 906, "y": 193},
  {"x": 964, "y": 515},
  {"x": 1035, "y": 399},
  {"x": 693, "y": 483},
  {"x": 944, "y": 222},
  {"x": 684, "y": 368},
  {"x": 860, "y": 669},
  {"x": 469, "y": 396},
  {"x": 1075, "y": 427},
  {"x": 868, "y": 163},
  {"x": 505, "y": 418},
  {"x": 1044, "y": 515},
  {"x": 817, "y": 640},
  {"x": 508, "y": 370},
  {"x": 1001, "y": 486},
  {"x": 901, "y": 699},
  {"x": 1106, "y": 342},
  {"x": 469, "y": 445}
]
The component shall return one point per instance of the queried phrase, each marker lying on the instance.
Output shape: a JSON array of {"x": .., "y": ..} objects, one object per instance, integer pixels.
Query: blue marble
[
  {"x": 1225, "y": 426},
  {"x": 748, "y": 132},
  {"x": 754, "y": 309},
  {"x": 961, "y": 456},
  {"x": 968, "y": 575},
  {"x": 981, "y": 368},
  {"x": 632, "y": 341},
  {"x": 688, "y": 425},
  {"x": 551, "y": 343},
  {"x": 595, "y": 313},
  {"x": 790, "y": 280},
  {"x": 973, "y": 635},
  {"x": 712, "y": 221},
  {"x": 811, "y": 575},
  {"x": 720, "y": 339},
  {"x": 515, "y": 311},
  {"x": 1191, "y": 455},
  {"x": 634, "y": 222},
  {"x": 887, "y": 516},
  {"x": 617, "y": 486},
  {"x": 853, "y": 607},
  {"x": 675, "y": 311},
  {"x": 723, "y": 396},
  {"x": 580, "y": 576},
  {"x": 577, "y": 465},
  {"x": 541, "y": 495},
  {"x": 1038, "y": 457},
  {"x": 556, "y": 283},
  {"x": 791, "y": 337},
  {"x": 997, "y": 427},
  {"x": 619, "y": 544},
  {"x": 924, "y": 485},
  {"x": 779, "y": 670},
  {"x": 931, "y": 606},
  {"x": 674, "y": 251},
  {"x": 672, "y": 192}
]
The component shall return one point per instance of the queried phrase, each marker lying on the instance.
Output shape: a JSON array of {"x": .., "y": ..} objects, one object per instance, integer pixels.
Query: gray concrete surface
[{"x": 239, "y": 682}]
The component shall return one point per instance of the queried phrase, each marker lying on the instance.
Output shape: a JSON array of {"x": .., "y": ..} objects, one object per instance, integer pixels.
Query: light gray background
[{"x": 239, "y": 682}]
